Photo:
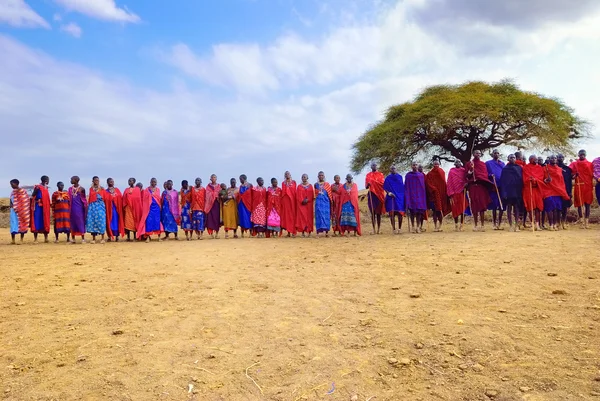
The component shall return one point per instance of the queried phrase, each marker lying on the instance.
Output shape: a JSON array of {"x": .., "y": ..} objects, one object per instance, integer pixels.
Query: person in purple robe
[
  {"x": 78, "y": 209},
  {"x": 415, "y": 196},
  {"x": 394, "y": 198},
  {"x": 494, "y": 169}
]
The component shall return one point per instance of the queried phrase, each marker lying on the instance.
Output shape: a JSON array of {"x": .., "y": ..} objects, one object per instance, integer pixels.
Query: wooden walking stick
[
  {"x": 464, "y": 207},
  {"x": 370, "y": 206},
  {"x": 498, "y": 192},
  {"x": 531, "y": 200}
]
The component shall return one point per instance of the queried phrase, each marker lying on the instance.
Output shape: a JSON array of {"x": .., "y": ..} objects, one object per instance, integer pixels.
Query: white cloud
[
  {"x": 72, "y": 29},
  {"x": 101, "y": 9},
  {"x": 18, "y": 13},
  {"x": 57, "y": 17}
]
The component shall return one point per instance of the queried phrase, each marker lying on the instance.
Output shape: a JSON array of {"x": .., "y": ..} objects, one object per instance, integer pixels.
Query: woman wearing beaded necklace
[
  {"x": 96, "y": 215},
  {"x": 151, "y": 204},
  {"x": 349, "y": 212}
]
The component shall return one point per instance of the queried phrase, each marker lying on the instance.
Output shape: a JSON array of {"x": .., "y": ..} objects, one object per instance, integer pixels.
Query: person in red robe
[
  {"x": 583, "y": 189},
  {"x": 305, "y": 199},
  {"x": 273, "y": 209},
  {"x": 40, "y": 209},
  {"x": 132, "y": 208},
  {"x": 435, "y": 182},
  {"x": 348, "y": 208},
  {"x": 115, "y": 225},
  {"x": 288, "y": 205},
  {"x": 336, "y": 189},
  {"x": 478, "y": 185},
  {"x": 258, "y": 213},
  {"x": 198, "y": 200},
  {"x": 150, "y": 223},
  {"x": 533, "y": 188},
  {"x": 376, "y": 196},
  {"x": 455, "y": 188},
  {"x": 555, "y": 193}
]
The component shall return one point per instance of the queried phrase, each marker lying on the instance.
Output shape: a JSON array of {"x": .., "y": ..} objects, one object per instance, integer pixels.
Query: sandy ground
[{"x": 436, "y": 316}]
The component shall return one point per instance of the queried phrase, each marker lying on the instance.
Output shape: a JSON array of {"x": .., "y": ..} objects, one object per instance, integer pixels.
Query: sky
[{"x": 186, "y": 88}]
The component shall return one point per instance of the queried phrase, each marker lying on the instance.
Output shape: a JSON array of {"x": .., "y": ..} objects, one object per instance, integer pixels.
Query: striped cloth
[{"x": 61, "y": 208}]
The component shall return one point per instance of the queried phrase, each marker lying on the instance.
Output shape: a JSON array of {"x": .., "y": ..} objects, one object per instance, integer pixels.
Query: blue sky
[{"x": 185, "y": 88}]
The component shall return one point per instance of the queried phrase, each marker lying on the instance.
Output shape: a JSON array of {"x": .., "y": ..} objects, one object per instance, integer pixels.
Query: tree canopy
[{"x": 451, "y": 121}]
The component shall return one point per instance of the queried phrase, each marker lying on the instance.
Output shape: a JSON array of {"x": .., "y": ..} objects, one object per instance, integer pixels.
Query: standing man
[
  {"x": 61, "y": 209},
  {"x": 554, "y": 194},
  {"x": 583, "y": 194},
  {"x": 115, "y": 226},
  {"x": 394, "y": 198},
  {"x": 494, "y": 168},
  {"x": 305, "y": 200},
  {"x": 132, "y": 208},
  {"x": 288, "y": 205},
  {"x": 244, "y": 202},
  {"x": 456, "y": 190},
  {"x": 40, "y": 209},
  {"x": 479, "y": 189},
  {"x": 533, "y": 180},
  {"x": 519, "y": 159},
  {"x": 415, "y": 194},
  {"x": 435, "y": 182},
  {"x": 568, "y": 180},
  {"x": 511, "y": 184},
  {"x": 376, "y": 196}
]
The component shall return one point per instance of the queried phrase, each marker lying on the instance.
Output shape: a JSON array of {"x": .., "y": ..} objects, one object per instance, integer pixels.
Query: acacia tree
[{"x": 451, "y": 121}]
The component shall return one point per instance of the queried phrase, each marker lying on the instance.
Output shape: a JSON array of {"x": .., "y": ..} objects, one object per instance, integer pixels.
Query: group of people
[
  {"x": 530, "y": 193},
  {"x": 139, "y": 213}
]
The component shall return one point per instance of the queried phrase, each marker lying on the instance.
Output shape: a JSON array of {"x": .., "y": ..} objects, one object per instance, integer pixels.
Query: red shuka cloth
[
  {"x": 584, "y": 184},
  {"x": 212, "y": 195},
  {"x": 376, "y": 180},
  {"x": 198, "y": 199},
  {"x": 305, "y": 213},
  {"x": 259, "y": 206},
  {"x": 336, "y": 206},
  {"x": 533, "y": 188},
  {"x": 146, "y": 203},
  {"x": 288, "y": 206},
  {"x": 274, "y": 201},
  {"x": 556, "y": 186},
  {"x": 45, "y": 203},
  {"x": 117, "y": 199},
  {"x": 245, "y": 198},
  {"x": 353, "y": 198},
  {"x": 435, "y": 181},
  {"x": 132, "y": 203}
]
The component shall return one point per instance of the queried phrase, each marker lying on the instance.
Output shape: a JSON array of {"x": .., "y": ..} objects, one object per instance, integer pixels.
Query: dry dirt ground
[{"x": 436, "y": 316}]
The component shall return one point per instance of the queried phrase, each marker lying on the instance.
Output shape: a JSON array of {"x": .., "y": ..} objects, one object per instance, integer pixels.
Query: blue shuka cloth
[
  {"x": 322, "y": 210},
  {"x": 243, "y": 212},
  {"x": 168, "y": 220},
  {"x": 394, "y": 184},
  {"x": 494, "y": 168},
  {"x": 511, "y": 182},
  {"x": 96, "y": 216},
  {"x": 415, "y": 194},
  {"x": 153, "y": 219}
]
